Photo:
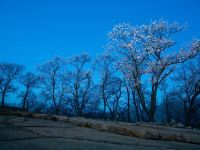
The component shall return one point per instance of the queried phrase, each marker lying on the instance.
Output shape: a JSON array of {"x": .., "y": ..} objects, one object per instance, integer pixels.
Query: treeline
[{"x": 139, "y": 77}]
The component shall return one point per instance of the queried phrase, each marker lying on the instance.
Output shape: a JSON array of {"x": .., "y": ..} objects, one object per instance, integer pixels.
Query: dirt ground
[{"x": 18, "y": 133}]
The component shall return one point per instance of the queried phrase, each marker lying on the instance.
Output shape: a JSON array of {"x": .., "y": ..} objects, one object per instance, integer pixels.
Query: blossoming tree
[{"x": 145, "y": 54}]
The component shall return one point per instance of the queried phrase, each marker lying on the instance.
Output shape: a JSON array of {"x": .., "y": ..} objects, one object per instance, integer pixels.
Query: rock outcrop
[{"x": 140, "y": 130}]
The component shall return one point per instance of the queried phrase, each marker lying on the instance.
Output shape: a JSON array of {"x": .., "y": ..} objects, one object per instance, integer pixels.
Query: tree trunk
[
  {"x": 104, "y": 111},
  {"x": 128, "y": 109},
  {"x": 57, "y": 110},
  {"x": 142, "y": 99},
  {"x": 187, "y": 119},
  {"x": 136, "y": 106},
  {"x": 24, "y": 100},
  {"x": 23, "y": 106},
  {"x": 167, "y": 113},
  {"x": 112, "y": 117},
  {"x": 189, "y": 111},
  {"x": 4, "y": 94},
  {"x": 152, "y": 104},
  {"x": 104, "y": 103},
  {"x": 3, "y": 99}
]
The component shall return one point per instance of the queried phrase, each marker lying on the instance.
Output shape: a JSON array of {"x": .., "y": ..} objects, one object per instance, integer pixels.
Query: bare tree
[
  {"x": 110, "y": 84},
  {"x": 113, "y": 92},
  {"x": 94, "y": 102},
  {"x": 126, "y": 84},
  {"x": 29, "y": 81},
  {"x": 121, "y": 112},
  {"x": 131, "y": 95},
  {"x": 188, "y": 84},
  {"x": 80, "y": 81},
  {"x": 105, "y": 67},
  {"x": 8, "y": 74},
  {"x": 143, "y": 53},
  {"x": 54, "y": 82},
  {"x": 169, "y": 96}
]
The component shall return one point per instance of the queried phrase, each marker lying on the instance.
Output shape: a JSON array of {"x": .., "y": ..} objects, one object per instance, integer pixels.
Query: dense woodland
[{"x": 140, "y": 76}]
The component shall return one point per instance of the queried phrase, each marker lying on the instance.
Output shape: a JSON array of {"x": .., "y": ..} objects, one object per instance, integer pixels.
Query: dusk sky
[{"x": 34, "y": 31}]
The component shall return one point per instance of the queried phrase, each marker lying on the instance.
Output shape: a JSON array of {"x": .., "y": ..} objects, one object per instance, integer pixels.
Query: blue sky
[{"x": 34, "y": 31}]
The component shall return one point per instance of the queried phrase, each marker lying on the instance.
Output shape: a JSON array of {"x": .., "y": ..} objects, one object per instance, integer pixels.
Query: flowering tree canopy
[{"x": 146, "y": 50}]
